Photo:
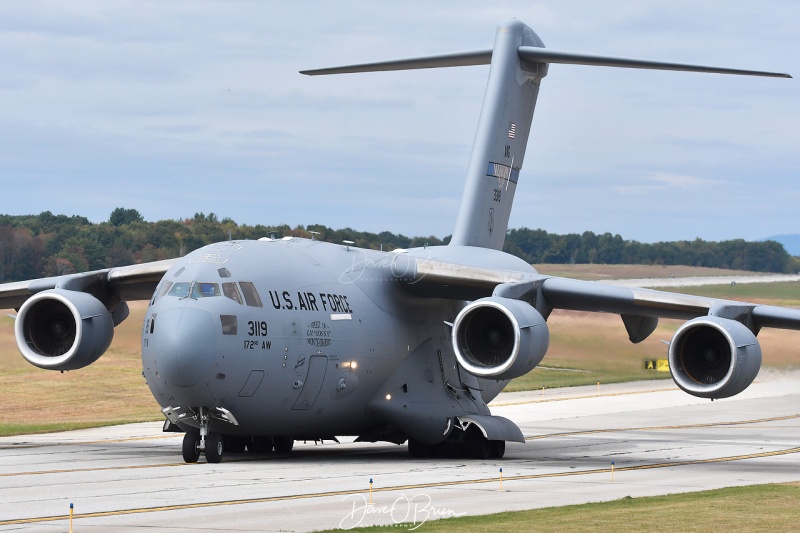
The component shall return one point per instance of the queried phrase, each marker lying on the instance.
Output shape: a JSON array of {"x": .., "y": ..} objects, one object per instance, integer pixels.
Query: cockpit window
[
  {"x": 181, "y": 290},
  {"x": 205, "y": 290},
  {"x": 231, "y": 291},
  {"x": 250, "y": 294},
  {"x": 162, "y": 290},
  {"x": 198, "y": 289}
]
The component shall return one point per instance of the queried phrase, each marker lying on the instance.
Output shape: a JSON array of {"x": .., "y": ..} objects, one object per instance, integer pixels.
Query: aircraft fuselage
[{"x": 294, "y": 336}]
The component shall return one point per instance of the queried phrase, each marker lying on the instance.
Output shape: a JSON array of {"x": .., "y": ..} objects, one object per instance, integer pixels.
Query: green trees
[
  {"x": 121, "y": 216},
  {"x": 538, "y": 246},
  {"x": 32, "y": 246}
]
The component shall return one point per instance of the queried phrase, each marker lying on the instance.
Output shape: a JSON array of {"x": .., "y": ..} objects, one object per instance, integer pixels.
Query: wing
[
  {"x": 111, "y": 285},
  {"x": 562, "y": 293},
  {"x": 639, "y": 308}
]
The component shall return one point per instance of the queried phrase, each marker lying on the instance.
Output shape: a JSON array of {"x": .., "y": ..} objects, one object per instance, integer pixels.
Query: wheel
[
  {"x": 418, "y": 450},
  {"x": 447, "y": 450},
  {"x": 215, "y": 447},
  {"x": 191, "y": 446},
  {"x": 283, "y": 445},
  {"x": 477, "y": 445},
  {"x": 233, "y": 444},
  {"x": 260, "y": 444},
  {"x": 497, "y": 449}
]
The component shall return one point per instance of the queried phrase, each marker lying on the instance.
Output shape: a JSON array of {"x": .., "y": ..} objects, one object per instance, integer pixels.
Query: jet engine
[
  {"x": 499, "y": 338},
  {"x": 714, "y": 357},
  {"x": 63, "y": 330}
]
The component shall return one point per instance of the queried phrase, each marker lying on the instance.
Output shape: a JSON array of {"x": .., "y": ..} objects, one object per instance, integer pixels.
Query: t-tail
[{"x": 519, "y": 61}]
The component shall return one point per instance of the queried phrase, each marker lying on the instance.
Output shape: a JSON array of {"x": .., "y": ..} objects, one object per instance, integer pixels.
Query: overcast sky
[{"x": 178, "y": 107}]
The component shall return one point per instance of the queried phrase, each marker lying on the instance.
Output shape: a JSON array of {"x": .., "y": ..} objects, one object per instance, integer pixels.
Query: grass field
[
  {"x": 785, "y": 294},
  {"x": 110, "y": 391},
  {"x": 750, "y": 508},
  {"x": 585, "y": 348},
  {"x": 604, "y": 272}
]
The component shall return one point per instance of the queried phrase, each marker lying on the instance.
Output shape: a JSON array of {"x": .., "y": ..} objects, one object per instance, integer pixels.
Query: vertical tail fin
[
  {"x": 502, "y": 133},
  {"x": 500, "y": 141}
]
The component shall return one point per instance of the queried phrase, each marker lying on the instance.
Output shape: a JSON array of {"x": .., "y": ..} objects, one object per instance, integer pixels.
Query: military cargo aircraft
[{"x": 251, "y": 345}]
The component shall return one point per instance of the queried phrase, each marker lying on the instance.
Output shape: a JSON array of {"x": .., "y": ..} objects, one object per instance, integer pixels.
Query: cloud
[{"x": 663, "y": 181}]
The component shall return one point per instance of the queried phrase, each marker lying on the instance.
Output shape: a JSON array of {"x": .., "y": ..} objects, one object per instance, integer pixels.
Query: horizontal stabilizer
[
  {"x": 545, "y": 55},
  {"x": 460, "y": 59},
  {"x": 535, "y": 54}
]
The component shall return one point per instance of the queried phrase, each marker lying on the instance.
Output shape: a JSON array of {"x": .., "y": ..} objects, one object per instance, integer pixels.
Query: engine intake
[
  {"x": 713, "y": 357},
  {"x": 499, "y": 338},
  {"x": 63, "y": 330}
]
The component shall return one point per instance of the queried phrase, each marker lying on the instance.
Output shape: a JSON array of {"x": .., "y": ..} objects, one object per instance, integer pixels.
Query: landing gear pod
[
  {"x": 63, "y": 330},
  {"x": 499, "y": 338},
  {"x": 713, "y": 357}
]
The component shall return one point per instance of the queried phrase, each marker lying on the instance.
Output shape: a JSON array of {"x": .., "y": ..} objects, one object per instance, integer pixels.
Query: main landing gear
[
  {"x": 215, "y": 445},
  {"x": 470, "y": 444}
]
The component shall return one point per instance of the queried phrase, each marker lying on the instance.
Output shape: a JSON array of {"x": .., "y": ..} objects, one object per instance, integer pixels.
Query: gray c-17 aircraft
[{"x": 255, "y": 344}]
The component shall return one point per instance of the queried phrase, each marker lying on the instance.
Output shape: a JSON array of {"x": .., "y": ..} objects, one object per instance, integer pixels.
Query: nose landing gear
[
  {"x": 203, "y": 441},
  {"x": 198, "y": 441},
  {"x": 191, "y": 446}
]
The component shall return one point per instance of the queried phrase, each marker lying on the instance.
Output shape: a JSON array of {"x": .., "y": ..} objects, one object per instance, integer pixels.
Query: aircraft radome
[{"x": 254, "y": 344}]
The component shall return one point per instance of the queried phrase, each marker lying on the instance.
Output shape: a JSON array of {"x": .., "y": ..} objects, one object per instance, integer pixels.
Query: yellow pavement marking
[{"x": 664, "y": 428}]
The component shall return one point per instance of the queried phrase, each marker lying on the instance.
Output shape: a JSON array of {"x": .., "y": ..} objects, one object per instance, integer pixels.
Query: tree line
[
  {"x": 46, "y": 244},
  {"x": 538, "y": 246}
]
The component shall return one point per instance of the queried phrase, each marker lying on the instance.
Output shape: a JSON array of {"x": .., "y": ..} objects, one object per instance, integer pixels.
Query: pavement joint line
[
  {"x": 586, "y": 397},
  {"x": 86, "y": 443},
  {"x": 100, "y": 469},
  {"x": 521, "y": 477}
]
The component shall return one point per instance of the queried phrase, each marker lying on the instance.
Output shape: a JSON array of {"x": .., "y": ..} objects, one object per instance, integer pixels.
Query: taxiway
[{"x": 660, "y": 440}]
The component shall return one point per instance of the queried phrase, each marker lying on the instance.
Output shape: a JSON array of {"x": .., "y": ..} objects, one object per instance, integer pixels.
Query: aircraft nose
[{"x": 186, "y": 345}]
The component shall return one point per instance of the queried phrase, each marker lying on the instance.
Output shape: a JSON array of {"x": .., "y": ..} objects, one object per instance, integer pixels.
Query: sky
[{"x": 174, "y": 108}]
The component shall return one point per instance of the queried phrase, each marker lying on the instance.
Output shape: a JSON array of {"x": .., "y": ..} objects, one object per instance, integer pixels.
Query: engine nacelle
[
  {"x": 714, "y": 357},
  {"x": 63, "y": 330},
  {"x": 499, "y": 338}
]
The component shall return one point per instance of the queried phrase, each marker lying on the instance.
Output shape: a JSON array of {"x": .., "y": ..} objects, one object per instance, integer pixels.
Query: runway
[{"x": 661, "y": 440}]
